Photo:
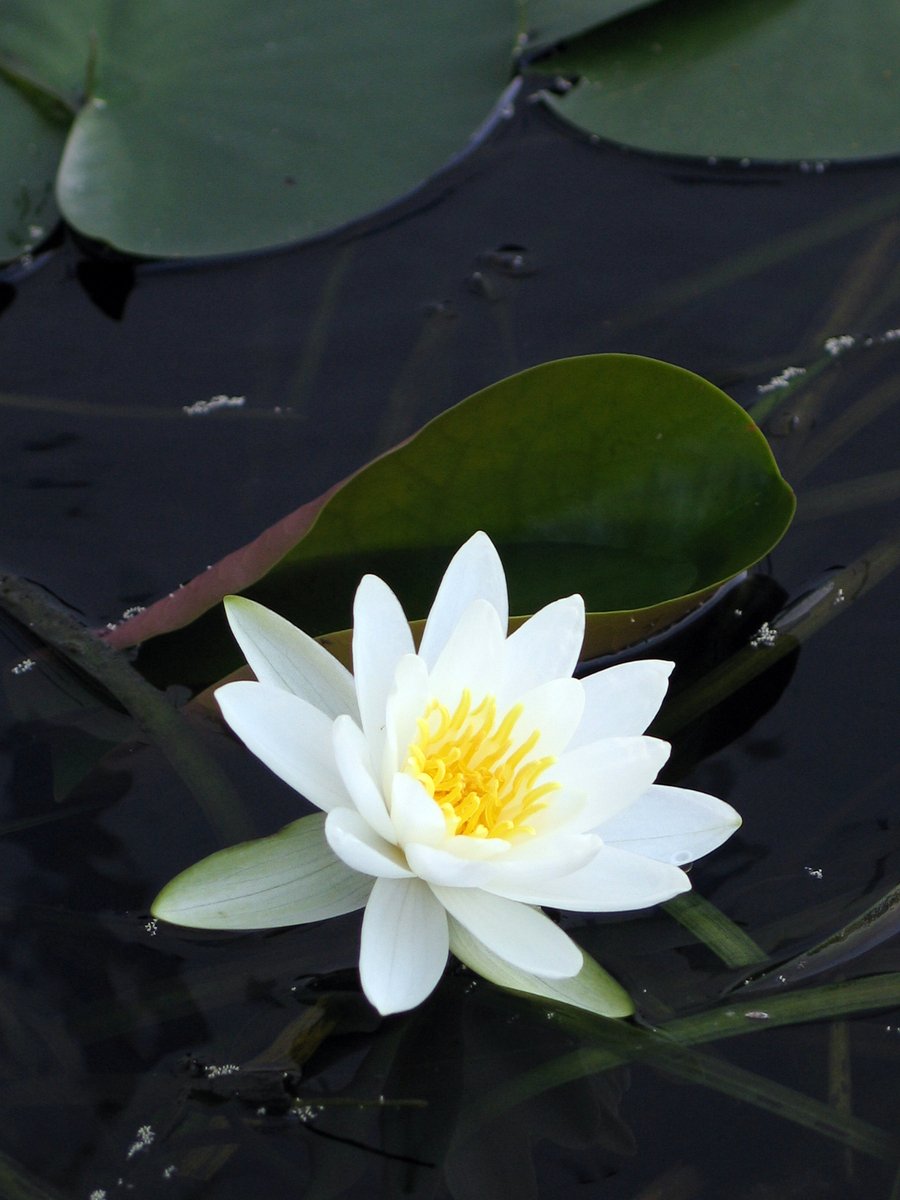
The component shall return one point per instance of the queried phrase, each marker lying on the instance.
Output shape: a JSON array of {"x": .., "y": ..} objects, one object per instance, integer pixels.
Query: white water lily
[{"x": 463, "y": 786}]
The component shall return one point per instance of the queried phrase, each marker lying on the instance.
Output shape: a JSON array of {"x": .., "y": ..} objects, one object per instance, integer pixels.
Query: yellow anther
[{"x": 476, "y": 769}]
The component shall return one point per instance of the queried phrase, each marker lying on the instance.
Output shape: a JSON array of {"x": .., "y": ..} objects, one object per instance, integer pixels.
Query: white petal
[
  {"x": 381, "y": 637},
  {"x": 539, "y": 858},
  {"x": 442, "y": 867},
  {"x": 475, "y": 573},
  {"x": 287, "y": 879},
  {"x": 622, "y": 700},
  {"x": 545, "y": 647},
  {"x": 610, "y": 775},
  {"x": 522, "y": 936},
  {"x": 555, "y": 710},
  {"x": 414, "y": 815},
  {"x": 613, "y": 881},
  {"x": 291, "y": 737},
  {"x": 404, "y": 944},
  {"x": 472, "y": 657},
  {"x": 281, "y": 655},
  {"x": 672, "y": 825},
  {"x": 592, "y": 988},
  {"x": 351, "y": 752},
  {"x": 356, "y": 843},
  {"x": 405, "y": 705}
]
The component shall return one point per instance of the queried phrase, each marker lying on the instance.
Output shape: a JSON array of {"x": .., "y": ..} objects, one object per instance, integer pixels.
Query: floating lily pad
[
  {"x": 229, "y": 125},
  {"x": 764, "y": 79},
  {"x": 632, "y": 481}
]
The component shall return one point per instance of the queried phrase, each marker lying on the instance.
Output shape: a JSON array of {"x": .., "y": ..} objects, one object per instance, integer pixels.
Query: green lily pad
[
  {"x": 764, "y": 79},
  {"x": 632, "y": 481},
  {"x": 232, "y": 125}
]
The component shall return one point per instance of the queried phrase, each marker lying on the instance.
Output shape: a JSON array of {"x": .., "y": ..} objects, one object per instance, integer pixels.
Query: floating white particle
[
  {"x": 756, "y": 1014},
  {"x": 100, "y": 1193},
  {"x": 837, "y": 345},
  {"x": 23, "y": 667},
  {"x": 764, "y": 636},
  {"x": 839, "y": 596},
  {"x": 35, "y": 232},
  {"x": 215, "y": 1072},
  {"x": 142, "y": 1139},
  {"x": 200, "y": 408},
  {"x": 152, "y": 926},
  {"x": 814, "y": 872},
  {"x": 782, "y": 380},
  {"x": 169, "y": 1171}
]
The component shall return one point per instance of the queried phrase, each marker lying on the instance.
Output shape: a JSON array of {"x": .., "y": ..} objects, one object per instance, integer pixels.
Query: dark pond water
[{"x": 140, "y": 1060}]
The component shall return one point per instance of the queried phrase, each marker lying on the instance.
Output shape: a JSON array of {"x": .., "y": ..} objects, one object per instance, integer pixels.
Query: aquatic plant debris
[{"x": 462, "y": 784}]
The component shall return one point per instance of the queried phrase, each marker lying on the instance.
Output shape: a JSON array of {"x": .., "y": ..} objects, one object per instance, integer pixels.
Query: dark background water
[{"x": 541, "y": 244}]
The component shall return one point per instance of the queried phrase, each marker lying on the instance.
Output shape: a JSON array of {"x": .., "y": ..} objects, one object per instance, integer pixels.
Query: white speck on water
[
  {"x": 712, "y": 160},
  {"x": 23, "y": 667},
  {"x": 305, "y": 1112},
  {"x": 814, "y": 872},
  {"x": 780, "y": 381},
  {"x": 839, "y": 596},
  {"x": 756, "y": 1014},
  {"x": 35, "y": 232},
  {"x": 738, "y": 612},
  {"x": 837, "y": 345},
  {"x": 152, "y": 926},
  {"x": 745, "y": 162},
  {"x": 216, "y": 1072},
  {"x": 143, "y": 1138},
  {"x": 200, "y": 408},
  {"x": 169, "y": 1171},
  {"x": 765, "y": 636},
  {"x": 100, "y": 1193}
]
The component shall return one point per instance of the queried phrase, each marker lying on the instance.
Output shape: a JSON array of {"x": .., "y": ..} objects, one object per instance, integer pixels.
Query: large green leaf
[
  {"x": 30, "y": 145},
  {"x": 229, "y": 125},
  {"x": 632, "y": 481},
  {"x": 767, "y": 79}
]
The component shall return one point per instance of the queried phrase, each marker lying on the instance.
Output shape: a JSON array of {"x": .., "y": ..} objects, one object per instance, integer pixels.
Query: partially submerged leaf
[
  {"x": 764, "y": 79},
  {"x": 631, "y": 481}
]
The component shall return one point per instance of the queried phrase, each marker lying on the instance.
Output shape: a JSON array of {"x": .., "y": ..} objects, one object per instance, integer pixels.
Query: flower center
[{"x": 477, "y": 771}]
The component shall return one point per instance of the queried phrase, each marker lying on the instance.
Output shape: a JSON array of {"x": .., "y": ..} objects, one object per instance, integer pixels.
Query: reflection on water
[{"x": 140, "y": 1058}]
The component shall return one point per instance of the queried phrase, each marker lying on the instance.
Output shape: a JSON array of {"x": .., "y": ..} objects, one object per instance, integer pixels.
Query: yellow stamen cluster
[{"x": 484, "y": 783}]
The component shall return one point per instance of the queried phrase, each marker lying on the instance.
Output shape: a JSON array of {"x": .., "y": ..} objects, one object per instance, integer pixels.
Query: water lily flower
[{"x": 461, "y": 786}]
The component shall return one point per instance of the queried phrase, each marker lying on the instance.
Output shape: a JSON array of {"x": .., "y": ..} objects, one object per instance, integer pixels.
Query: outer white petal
[
  {"x": 622, "y": 700},
  {"x": 672, "y": 825},
  {"x": 351, "y": 752},
  {"x": 356, "y": 843},
  {"x": 291, "y": 737},
  {"x": 543, "y": 858},
  {"x": 381, "y": 636},
  {"x": 592, "y": 988},
  {"x": 452, "y": 871},
  {"x": 472, "y": 658},
  {"x": 414, "y": 815},
  {"x": 287, "y": 879},
  {"x": 520, "y": 935},
  {"x": 610, "y": 775},
  {"x": 474, "y": 573},
  {"x": 405, "y": 943},
  {"x": 283, "y": 656},
  {"x": 545, "y": 647},
  {"x": 613, "y": 881}
]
